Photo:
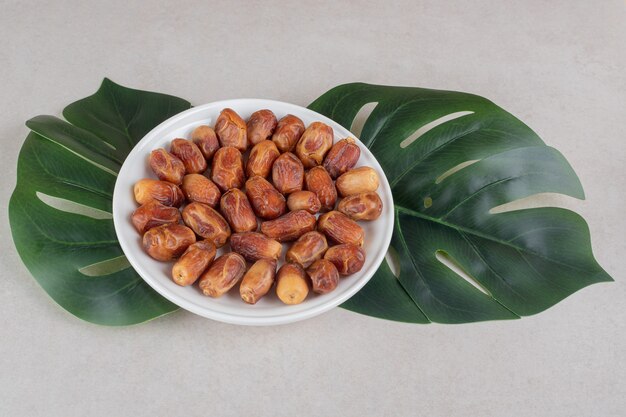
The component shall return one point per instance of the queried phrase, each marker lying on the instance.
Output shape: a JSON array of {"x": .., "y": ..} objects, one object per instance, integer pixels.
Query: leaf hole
[
  {"x": 73, "y": 207},
  {"x": 536, "y": 201},
  {"x": 448, "y": 261},
  {"x": 361, "y": 117},
  {"x": 431, "y": 125},
  {"x": 108, "y": 267},
  {"x": 428, "y": 202},
  {"x": 393, "y": 260},
  {"x": 455, "y": 169}
]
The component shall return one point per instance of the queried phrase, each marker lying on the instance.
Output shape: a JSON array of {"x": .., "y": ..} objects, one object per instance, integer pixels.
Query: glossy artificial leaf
[
  {"x": 60, "y": 211},
  {"x": 453, "y": 161}
]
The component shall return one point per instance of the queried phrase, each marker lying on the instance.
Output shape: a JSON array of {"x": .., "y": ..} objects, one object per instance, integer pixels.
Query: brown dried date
[
  {"x": 222, "y": 275},
  {"x": 363, "y": 206},
  {"x": 266, "y": 201},
  {"x": 342, "y": 157},
  {"x": 288, "y": 133},
  {"x": 206, "y": 140},
  {"x": 227, "y": 169},
  {"x": 207, "y": 223},
  {"x": 197, "y": 187},
  {"x": 231, "y": 130},
  {"x": 324, "y": 276},
  {"x": 236, "y": 208},
  {"x": 167, "y": 242},
  {"x": 318, "y": 181},
  {"x": 316, "y": 140},
  {"x": 254, "y": 246},
  {"x": 164, "y": 192},
  {"x": 153, "y": 214},
  {"x": 340, "y": 228},
  {"x": 261, "y": 158},
  {"x": 347, "y": 258},
  {"x": 166, "y": 166},
  {"x": 193, "y": 262},
  {"x": 258, "y": 280},
  {"x": 304, "y": 200},
  {"x": 288, "y": 173},
  {"x": 190, "y": 154},
  {"x": 357, "y": 180},
  {"x": 307, "y": 249},
  {"x": 291, "y": 284},
  {"x": 261, "y": 125},
  {"x": 290, "y": 226}
]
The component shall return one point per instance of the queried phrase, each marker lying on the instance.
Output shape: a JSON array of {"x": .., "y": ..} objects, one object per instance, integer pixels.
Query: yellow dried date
[
  {"x": 193, "y": 262},
  {"x": 324, "y": 276},
  {"x": 166, "y": 166},
  {"x": 258, "y": 280},
  {"x": 347, "y": 258},
  {"x": 254, "y": 246},
  {"x": 357, "y": 181},
  {"x": 363, "y": 206},
  {"x": 309, "y": 247},
  {"x": 291, "y": 284},
  {"x": 166, "y": 193},
  {"x": 318, "y": 181},
  {"x": 304, "y": 200},
  {"x": 153, "y": 214},
  {"x": 190, "y": 154},
  {"x": 222, "y": 275},
  {"x": 206, "y": 140},
  {"x": 237, "y": 210},
  {"x": 315, "y": 142},
  {"x": 342, "y": 157},
  {"x": 197, "y": 187},
  {"x": 266, "y": 201},
  {"x": 340, "y": 228},
  {"x": 206, "y": 222},
  {"x": 290, "y": 226},
  {"x": 167, "y": 242}
]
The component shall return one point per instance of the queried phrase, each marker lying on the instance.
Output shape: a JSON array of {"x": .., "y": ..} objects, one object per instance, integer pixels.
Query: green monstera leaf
[
  {"x": 60, "y": 211},
  {"x": 452, "y": 159}
]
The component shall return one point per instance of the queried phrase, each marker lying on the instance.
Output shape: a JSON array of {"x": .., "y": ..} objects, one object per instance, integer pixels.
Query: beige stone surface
[{"x": 559, "y": 66}]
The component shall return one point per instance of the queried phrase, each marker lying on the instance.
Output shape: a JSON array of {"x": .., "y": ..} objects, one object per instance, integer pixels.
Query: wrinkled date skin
[
  {"x": 288, "y": 132},
  {"x": 206, "y": 140},
  {"x": 254, "y": 246},
  {"x": 258, "y": 280},
  {"x": 190, "y": 154},
  {"x": 222, "y": 275},
  {"x": 304, "y": 200},
  {"x": 207, "y": 223},
  {"x": 356, "y": 181},
  {"x": 342, "y": 157},
  {"x": 167, "y": 242},
  {"x": 290, "y": 226},
  {"x": 261, "y": 159},
  {"x": 153, "y": 214},
  {"x": 197, "y": 187},
  {"x": 340, "y": 228},
  {"x": 227, "y": 169},
  {"x": 237, "y": 210},
  {"x": 307, "y": 249},
  {"x": 231, "y": 130},
  {"x": 261, "y": 125},
  {"x": 164, "y": 192},
  {"x": 318, "y": 181},
  {"x": 288, "y": 173},
  {"x": 315, "y": 142},
  {"x": 193, "y": 263},
  {"x": 347, "y": 258},
  {"x": 266, "y": 201},
  {"x": 166, "y": 166},
  {"x": 364, "y": 206},
  {"x": 291, "y": 284},
  {"x": 324, "y": 276}
]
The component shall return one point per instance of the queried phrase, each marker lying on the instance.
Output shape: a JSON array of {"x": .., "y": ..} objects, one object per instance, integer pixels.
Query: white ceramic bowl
[{"x": 230, "y": 308}]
